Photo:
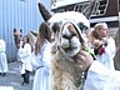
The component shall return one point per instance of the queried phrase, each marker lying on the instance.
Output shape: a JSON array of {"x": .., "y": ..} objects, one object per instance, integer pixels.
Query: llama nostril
[
  {"x": 68, "y": 37},
  {"x": 73, "y": 34}
]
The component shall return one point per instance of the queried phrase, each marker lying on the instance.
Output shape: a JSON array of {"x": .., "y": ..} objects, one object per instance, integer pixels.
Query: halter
[
  {"x": 76, "y": 28},
  {"x": 81, "y": 39}
]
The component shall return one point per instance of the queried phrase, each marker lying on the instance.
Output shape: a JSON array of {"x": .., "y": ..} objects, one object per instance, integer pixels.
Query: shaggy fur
[{"x": 65, "y": 72}]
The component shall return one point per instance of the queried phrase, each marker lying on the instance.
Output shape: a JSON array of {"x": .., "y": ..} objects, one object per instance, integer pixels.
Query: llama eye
[{"x": 82, "y": 26}]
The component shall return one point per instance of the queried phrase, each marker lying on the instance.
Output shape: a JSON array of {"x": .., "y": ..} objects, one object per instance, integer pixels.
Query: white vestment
[
  {"x": 41, "y": 65},
  {"x": 107, "y": 57},
  {"x": 3, "y": 58},
  {"x": 25, "y": 56},
  {"x": 101, "y": 78}
]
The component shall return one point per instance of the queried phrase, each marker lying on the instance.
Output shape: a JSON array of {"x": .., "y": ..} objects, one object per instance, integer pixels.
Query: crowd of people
[{"x": 101, "y": 73}]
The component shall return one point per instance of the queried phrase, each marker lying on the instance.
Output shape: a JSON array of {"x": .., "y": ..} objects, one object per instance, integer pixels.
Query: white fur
[{"x": 70, "y": 15}]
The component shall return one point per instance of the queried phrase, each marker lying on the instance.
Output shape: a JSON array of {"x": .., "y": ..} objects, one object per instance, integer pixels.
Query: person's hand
[
  {"x": 84, "y": 60},
  {"x": 97, "y": 43}
]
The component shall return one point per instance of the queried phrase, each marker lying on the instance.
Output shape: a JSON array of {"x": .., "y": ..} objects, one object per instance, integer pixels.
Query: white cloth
[
  {"x": 101, "y": 78},
  {"x": 42, "y": 75},
  {"x": 3, "y": 57},
  {"x": 25, "y": 56},
  {"x": 70, "y": 15},
  {"x": 107, "y": 57}
]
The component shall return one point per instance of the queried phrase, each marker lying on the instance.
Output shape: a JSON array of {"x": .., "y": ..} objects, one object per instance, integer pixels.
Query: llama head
[
  {"x": 68, "y": 31},
  {"x": 17, "y": 37},
  {"x": 68, "y": 27}
]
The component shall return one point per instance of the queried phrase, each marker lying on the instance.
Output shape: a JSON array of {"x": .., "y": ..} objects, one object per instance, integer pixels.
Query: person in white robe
[
  {"x": 104, "y": 45},
  {"x": 3, "y": 58},
  {"x": 99, "y": 77},
  {"x": 107, "y": 57},
  {"x": 41, "y": 59},
  {"x": 24, "y": 54},
  {"x": 41, "y": 65}
]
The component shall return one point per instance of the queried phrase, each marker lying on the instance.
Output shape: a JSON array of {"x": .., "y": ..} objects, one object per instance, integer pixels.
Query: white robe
[
  {"x": 25, "y": 56},
  {"x": 3, "y": 57},
  {"x": 42, "y": 74},
  {"x": 107, "y": 57},
  {"x": 101, "y": 78}
]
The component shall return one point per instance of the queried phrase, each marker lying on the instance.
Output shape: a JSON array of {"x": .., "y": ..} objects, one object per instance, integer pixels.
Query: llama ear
[
  {"x": 14, "y": 30},
  {"x": 44, "y": 12},
  {"x": 89, "y": 9},
  {"x": 21, "y": 30}
]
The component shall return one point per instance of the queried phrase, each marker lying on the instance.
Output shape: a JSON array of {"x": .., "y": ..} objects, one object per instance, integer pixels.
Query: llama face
[
  {"x": 64, "y": 37},
  {"x": 68, "y": 33},
  {"x": 17, "y": 37},
  {"x": 69, "y": 40}
]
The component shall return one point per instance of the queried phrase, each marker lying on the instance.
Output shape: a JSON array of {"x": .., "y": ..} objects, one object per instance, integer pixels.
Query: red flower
[{"x": 101, "y": 51}]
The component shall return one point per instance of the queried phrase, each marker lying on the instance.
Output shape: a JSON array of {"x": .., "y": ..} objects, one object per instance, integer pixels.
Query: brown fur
[
  {"x": 65, "y": 72},
  {"x": 32, "y": 35}
]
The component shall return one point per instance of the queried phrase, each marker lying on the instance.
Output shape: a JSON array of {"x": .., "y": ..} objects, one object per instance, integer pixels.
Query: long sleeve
[
  {"x": 100, "y": 78},
  {"x": 36, "y": 61},
  {"x": 107, "y": 57},
  {"x": 25, "y": 52},
  {"x": 3, "y": 57},
  {"x": 46, "y": 54},
  {"x": 25, "y": 56},
  {"x": 2, "y": 45},
  {"x": 111, "y": 49},
  {"x": 42, "y": 75}
]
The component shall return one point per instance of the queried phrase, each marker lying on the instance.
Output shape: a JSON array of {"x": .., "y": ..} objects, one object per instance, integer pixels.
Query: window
[
  {"x": 100, "y": 7},
  {"x": 80, "y": 7}
]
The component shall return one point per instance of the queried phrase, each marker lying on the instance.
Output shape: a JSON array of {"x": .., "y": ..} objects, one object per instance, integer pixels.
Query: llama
[
  {"x": 65, "y": 71},
  {"x": 69, "y": 40},
  {"x": 18, "y": 37}
]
